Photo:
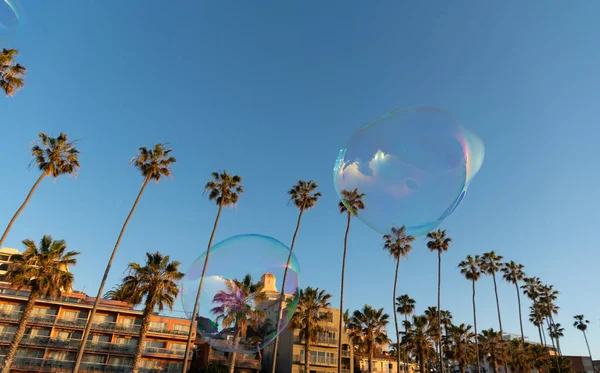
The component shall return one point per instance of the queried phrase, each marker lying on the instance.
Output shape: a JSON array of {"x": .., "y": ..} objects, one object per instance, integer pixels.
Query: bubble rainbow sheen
[
  {"x": 232, "y": 316},
  {"x": 10, "y": 17},
  {"x": 413, "y": 165}
]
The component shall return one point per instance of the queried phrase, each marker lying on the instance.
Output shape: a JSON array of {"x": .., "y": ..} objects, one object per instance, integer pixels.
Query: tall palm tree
[
  {"x": 367, "y": 331},
  {"x": 446, "y": 322},
  {"x": 44, "y": 271},
  {"x": 581, "y": 324},
  {"x": 471, "y": 269},
  {"x": 397, "y": 244},
  {"x": 53, "y": 156},
  {"x": 531, "y": 288},
  {"x": 494, "y": 348},
  {"x": 310, "y": 317},
  {"x": 153, "y": 164},
  {"x": 460, "y": 340},
  {"x": 490, "y": 264},
  {"x": 304, "y": 196},
  {"x": 155, "y": 284},
  {"x": 11, "y": 74},
  {"x": 239, "y": 307},
  {"x": 350, "y": 203},
  {"x": 405, "y": 305},
  {"x": 513, "y": 273},
  {"x": 438, "y": 242},
  {"x": 225, "y": 190},
  {"x": 556, "y": 332}
]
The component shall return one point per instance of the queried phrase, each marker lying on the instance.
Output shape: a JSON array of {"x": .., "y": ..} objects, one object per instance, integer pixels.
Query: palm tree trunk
[
  {"x": 307, "y": 354},
  {"x": 341, "y": 323},
  {"x": 282, "y": 295},
  {"x": 463, "y": 368},
  {"x": 520, "y": 316},
  {"x": 405, "y": 350},
  {"x": 188, "y": 346},
  {"x": 369, "y": 360},
  {"x": 394, "y": 308},
  {"x": 233, "y": 354},
  {"x": 90, "y": 319},
  {"x": 588, "y": 345},
  {"x": 142, "y": 336},
  {"x": 14, "y": 344},
  {"x": 497, "y": 302},
  {"x": 439, "y": 312},
  {"x": 495, "y": 367},
  {"x": 14, "y": 218},
  {"x": 556, "y": 337},
  {"x": 476, "y": 335},
  {"x": 421, "y": 363},
  {"x": 553, "y": 346}
]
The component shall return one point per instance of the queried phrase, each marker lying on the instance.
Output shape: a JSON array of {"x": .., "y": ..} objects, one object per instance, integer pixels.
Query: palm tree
[
  {"x": 493, "y": 347},
  {"x": 153, "y": 164},
  {"x": 520, "y": 359},
  {"x": 304, "y": 196},
  {"x": 239, "y": 307},
  {"x": 446, "y": 322},
  {"x": 513, "y": 273},
  {"x": 581, "y": 324},
  {"x": 225, "y": 190},
  {"x": 461, "y": 346},
  {"x": 471, "y": 269},
  {"x": 350, "y": 203},
  {"x": 367, "y": 331},
  {"x": 156, "y": 285},
  {"x": 556, "y": 331},
  {"x": 44, "y": 271},
  {"x": 11, "y": 73},
  {"x": 418, "y": 340},
  {"x": 531, "y": 288},
  {"x": 439, "y": 243},
  {"x": 310, "y": 316},
  {"x": 397, "y": 244},
  {"x": 490, "y": 264},
  {"x": 536, "y": 319},
  {"x": 53, "y": 156},
  {"x": 405, "y": 305}
]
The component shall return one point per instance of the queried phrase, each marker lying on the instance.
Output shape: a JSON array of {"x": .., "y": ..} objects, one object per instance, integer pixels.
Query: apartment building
[
  {"x": 382, "y": 362},
  {"x": 55, "y": 329}
]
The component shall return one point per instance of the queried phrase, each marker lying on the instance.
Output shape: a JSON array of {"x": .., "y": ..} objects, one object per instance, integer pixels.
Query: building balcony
[
  {"x": 323, "y": 341},
  {"x": 345, "y": 370},
  {"x": 326, "y": 361},
  {"x": 113, "y": 327},
  {"x": 169, "y": 352},
  {"x": 172, "y": 332},
  {"x": 241, "y": 361},
  {"x": 345, "y": 353},
  {"x": 69, "y": 344}
]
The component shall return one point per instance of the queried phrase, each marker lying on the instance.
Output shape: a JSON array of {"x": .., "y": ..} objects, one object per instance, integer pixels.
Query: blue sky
[{"x": 271, "y": 90}]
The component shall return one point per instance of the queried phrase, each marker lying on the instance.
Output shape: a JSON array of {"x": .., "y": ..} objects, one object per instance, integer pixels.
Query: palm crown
[
  {"x": 397, "y": 243},
  {"x": 155, "y": 283},
  {"x": 11, "y": 73},
  {"x": 224, "y": 189},
  {"x": 303, "y": 194},
  {"x": 55, "y": 156},
  {"x": 580, "y": 322},
  {"x": 405, "y": 304},
  {"x": 367, "y": 328},
  {"x": 307, "y": 316},
  {"x": 438, "y": 241},
  {"x": 491, "y": 263},
  {"x": 532, "y": 288},
  {"x": 154, "y": 163},
  {"x": 513, "y": 272},
  {"x": 43, "y": 268},
  {"x": 470, "y": 267},
  {"x": 351, "y": 201}
]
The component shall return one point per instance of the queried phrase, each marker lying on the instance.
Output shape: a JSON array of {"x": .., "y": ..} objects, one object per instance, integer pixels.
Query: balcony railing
[
  {"x": 164, "y": 351},
  {"x": 175, "y": 332},
  {"x": 321, "y": 340},
  {"x": 60, "y": 366},
  {"x": 70, "y": 344},
  {"x": 345, "y": 370},
  {"x": 241, "y": 360},
  {"x": 345, "y": 353},
  {"x": 318, "y": 360}
]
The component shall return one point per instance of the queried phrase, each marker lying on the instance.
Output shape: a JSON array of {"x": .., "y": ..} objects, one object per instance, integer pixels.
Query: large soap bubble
[
  {"x": 9, "y": 18},
  {"x": 239, "y": 304},
  {"x": 413, "y": 165}
]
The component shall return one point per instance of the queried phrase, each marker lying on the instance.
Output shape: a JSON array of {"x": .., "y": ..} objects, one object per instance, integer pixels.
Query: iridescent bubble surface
[
  {"x": 413, "y": 165},
  {"x": 9, "y": 19},
  {"x": 239, "y": 314}
]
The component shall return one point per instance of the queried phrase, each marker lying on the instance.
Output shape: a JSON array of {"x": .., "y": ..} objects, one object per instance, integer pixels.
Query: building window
[
  {"x": 158, "y": 326},
  {"x": 61, "y": 355},
  {"x": 126, "y": 341},
  {"x": 30, "y": 353},
  {"x": 181, "y": 328},
  {"x": 150, "y": 364},
  {"x": 97, "y": 359},
  {"x": 120, "y": 361},
  {"x": 68, "y": 334},
  {"x": 7, "y": 329},
  {"x": 74, "y": 315},
  {"x": 37, "y": 332},
  {"x": 101, "y": 338},
  {"x": 4, "y": 258}
]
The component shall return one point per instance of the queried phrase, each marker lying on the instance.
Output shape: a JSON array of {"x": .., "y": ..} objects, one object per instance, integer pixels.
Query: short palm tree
[
  {"x": 350, "y": 204},
  {"x": 155, "y": 284},
  {"x": 532, "y": 289},
  {"x": 153, "y": 164},
  {"x": 367, "y": 331},
  {"x": 310, "y": 317},
  {"x": 446, "y": 322},
  {"x": 581, "y": 324},
  {"x": 471, "y": 269},
  {"x": 405, "y": 305},
  {"x": 418, "y": 340},
  {"x": 439, "y": 242},
  {"x": 239, "y": 307},
  {"x": 225, "y": 190},
  {"x": 44, "y": 270},
  {"x": 53, "y": 156},
  {"x": 556, "y": 331},
  {"x": 304, "y": 196},
  {"x": 494, "y": 348},
  {"x": 513, "y": 273},
  {"x": 397, "y": 244},
  {"x": 460, "y": 341},
  {"x": 11, "y": 74}
]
